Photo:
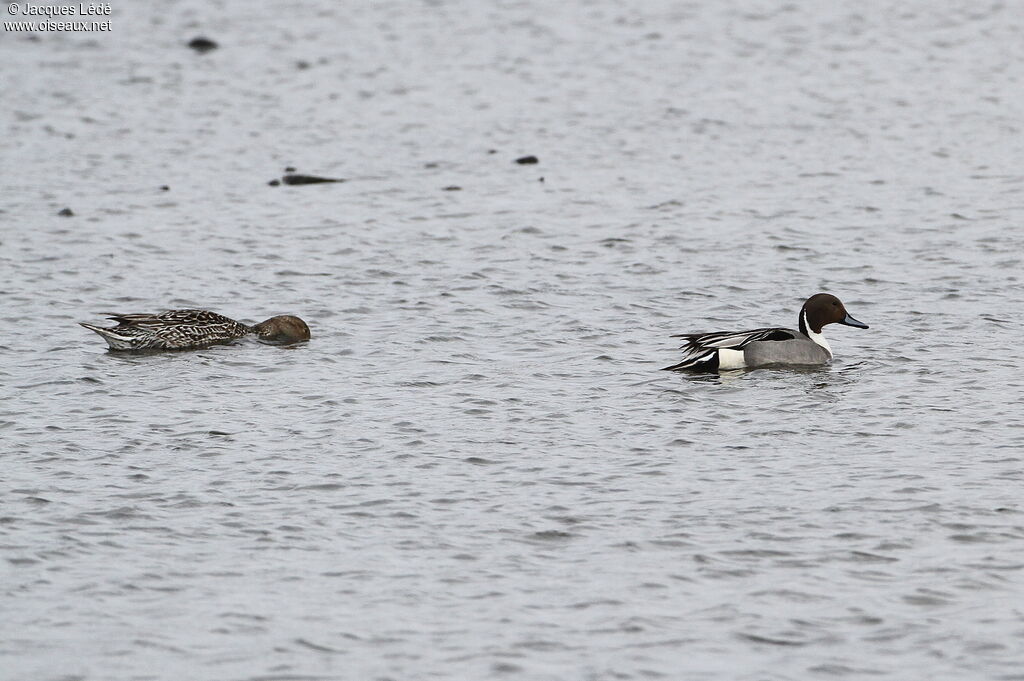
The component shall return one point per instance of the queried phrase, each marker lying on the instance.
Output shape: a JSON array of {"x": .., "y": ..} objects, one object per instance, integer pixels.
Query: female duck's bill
[{"x": 282, "y": 329}]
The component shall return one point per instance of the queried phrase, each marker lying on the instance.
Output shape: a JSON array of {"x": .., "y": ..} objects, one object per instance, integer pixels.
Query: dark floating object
[
  {"x": 289, "y": 169},
  {"x": 453, "y": 188},
  {"x": 492, "y": 151},
  {"x": 302, "y": 64},
  {"x": 527, "y": 160},
  {"x": 432, "y": 164},
  {"x": 66, "y": 213},
  {"x": 274, "y": 183},
  {"x": 307, "y": 179},
  {"x": 202, "y": 45},
  {"x": 165, "y": 188}
]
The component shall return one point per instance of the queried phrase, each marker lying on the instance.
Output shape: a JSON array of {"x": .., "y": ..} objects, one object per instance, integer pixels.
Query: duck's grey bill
[{"x": 850, "y": 321}]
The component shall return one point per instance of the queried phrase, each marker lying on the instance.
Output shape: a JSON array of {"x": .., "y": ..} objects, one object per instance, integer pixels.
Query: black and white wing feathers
[{"x": 700, "y": 350}]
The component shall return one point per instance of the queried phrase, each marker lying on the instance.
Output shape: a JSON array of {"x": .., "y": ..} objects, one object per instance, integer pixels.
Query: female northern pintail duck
[
  {"x": 184, "y": 329},
  {"x": 762, "y": 347}
]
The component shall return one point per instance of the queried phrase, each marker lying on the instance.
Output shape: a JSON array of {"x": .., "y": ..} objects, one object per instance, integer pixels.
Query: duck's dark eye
[{"x": 834, "y": 303}]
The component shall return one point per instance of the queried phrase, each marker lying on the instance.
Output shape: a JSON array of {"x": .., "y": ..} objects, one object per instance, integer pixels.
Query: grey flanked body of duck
[
  {"x": 189, "y": 329},
  {"x": 773, "y": 346}
]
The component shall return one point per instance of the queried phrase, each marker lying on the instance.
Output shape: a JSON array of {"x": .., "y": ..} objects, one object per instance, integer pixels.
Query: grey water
[{"x": 475, "y": 469}]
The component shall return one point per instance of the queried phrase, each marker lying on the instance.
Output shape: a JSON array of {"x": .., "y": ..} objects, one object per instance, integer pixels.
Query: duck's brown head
[
  {"x": 824, "y": 308},
  {"x": 282, "y": 329}
]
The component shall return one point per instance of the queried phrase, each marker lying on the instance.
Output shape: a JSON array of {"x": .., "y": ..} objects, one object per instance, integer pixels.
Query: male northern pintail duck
[
  {"x": 184, "y": 329},
  {"x": 723, "y": 350}
]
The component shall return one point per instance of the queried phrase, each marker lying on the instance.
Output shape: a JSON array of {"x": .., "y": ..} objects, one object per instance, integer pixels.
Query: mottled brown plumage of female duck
[{"x": 185, "y": 329}]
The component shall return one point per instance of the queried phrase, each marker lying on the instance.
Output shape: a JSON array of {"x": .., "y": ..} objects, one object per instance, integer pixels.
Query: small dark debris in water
[
  {"x": 308, "y": 179},
  {"x": 289, "y": 169},
  {"x": 66, "y": 213},
  {"x": 314, "y": 646},
  {"x": 505, "y": 668},
  {"x": 275, "y": 183},
  {"x": 453, "y": 188},
  {"x": 302, "y": 65},
  {"x": 540, "y": 179},
  {"x": 551, "y": 535},
  {"x": 164, "y": 188},
  {"x": 527, "y": 160},
  {"x": 754, "y": 638},
  {"x": 492, "y": 151},
  {"x": 958, "y": 216},
  {"x": 202, "y": 45},
  {"x": 431, "y": 165}
]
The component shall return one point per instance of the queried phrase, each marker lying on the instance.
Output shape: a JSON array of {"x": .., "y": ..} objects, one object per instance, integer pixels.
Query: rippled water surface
[{"x": 475, "y": 469}]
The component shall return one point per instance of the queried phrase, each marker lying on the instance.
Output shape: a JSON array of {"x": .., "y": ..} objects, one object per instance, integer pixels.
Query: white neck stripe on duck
[{"x": 817, "y": 337}]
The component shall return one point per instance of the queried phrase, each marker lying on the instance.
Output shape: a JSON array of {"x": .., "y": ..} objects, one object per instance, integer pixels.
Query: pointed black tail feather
[{"x": 705, "y": 362}]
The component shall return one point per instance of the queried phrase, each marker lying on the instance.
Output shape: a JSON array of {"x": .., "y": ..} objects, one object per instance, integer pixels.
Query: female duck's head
[{"x": 282, "y": 329}]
